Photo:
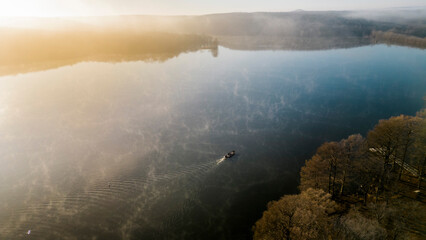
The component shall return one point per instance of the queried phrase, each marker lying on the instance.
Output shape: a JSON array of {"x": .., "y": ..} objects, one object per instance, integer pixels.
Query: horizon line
[{"x": 217, "y": 13}]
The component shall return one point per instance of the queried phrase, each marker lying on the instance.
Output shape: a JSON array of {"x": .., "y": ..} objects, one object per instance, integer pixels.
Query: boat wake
[
  {"x": 219, "y": 161},
  {"x": 142, "y": 191}
]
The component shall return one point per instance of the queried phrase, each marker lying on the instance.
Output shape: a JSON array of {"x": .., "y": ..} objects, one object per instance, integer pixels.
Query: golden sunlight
[
  {"x": 22, "y": 9},
  {"x": 42, "y": 8}
]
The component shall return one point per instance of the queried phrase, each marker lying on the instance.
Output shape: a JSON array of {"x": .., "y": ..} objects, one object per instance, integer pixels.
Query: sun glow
[
  {"x": 64, "y": 8},
  {"x": 22, "y": 9},
  {"x": 42, "y": 8}
]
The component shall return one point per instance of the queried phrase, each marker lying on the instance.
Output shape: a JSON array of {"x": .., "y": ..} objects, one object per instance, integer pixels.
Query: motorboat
[{"x": 230, "y": 154}]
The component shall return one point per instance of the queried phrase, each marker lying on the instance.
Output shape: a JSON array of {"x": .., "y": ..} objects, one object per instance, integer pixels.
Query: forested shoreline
[
  {"x": 52, "y": 43},
  {"x": 24, "y": 51},
  {"x": 358, "y": 188}
]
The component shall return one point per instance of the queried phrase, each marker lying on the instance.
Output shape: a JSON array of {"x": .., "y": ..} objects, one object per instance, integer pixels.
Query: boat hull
[{"x": 230, "y": 154}]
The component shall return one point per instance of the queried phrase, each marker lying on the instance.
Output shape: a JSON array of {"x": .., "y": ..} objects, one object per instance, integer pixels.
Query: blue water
[{"x": 130, "y": 150}]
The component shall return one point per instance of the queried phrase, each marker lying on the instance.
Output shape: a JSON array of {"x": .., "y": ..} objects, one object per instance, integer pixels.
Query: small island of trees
[{"x": 358, "y": 188}]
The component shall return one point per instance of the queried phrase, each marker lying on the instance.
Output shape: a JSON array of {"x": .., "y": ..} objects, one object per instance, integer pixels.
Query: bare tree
[{"x": 355, "y": 226}]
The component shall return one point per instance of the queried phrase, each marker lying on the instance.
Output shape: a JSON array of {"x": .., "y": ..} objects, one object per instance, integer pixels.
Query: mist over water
[{"x": 134, "y": 150}]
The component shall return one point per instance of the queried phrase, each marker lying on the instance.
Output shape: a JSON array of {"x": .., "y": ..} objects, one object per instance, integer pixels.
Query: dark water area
[{"x": 133, "y": 150}]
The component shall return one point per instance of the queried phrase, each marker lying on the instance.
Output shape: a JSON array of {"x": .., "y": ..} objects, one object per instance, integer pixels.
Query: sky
[{"x": 55, "y": 8}]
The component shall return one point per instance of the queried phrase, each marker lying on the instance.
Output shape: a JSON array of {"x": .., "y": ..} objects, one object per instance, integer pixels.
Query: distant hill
[
  {"x": 31, "y": 44},
  {"x": 297, "y": 23},
  {"x": 285, "y": 30}
]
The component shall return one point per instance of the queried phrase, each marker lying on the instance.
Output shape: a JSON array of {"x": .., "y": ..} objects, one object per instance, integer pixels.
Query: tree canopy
[
  {"x": 297, "y": 217},
  {"x": 353, "y": 189}
]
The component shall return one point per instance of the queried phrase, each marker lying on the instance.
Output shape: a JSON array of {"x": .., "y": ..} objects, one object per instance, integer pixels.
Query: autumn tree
[
  {"x": 323, "y": 166},
  {"x": 418, "y": 156},
  {"x": 365, "y": 176},
  {"x": 410, "y": 128},
  {"x": 297, "y": 217},
  {"x": 353, "y": 149},
  {"x": 333, "y": 167},
  {"x": 352, "y": 166},
  {"x": 384, "y": 142},
  {"x": 315, "y": 174}
]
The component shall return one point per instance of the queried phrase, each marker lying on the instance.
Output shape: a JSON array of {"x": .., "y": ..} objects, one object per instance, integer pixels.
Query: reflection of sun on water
[{"x": 3, "y": 105}]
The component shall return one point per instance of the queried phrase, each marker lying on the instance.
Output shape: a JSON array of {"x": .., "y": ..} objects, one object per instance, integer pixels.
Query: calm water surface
[{"x": 132, "y": 150}]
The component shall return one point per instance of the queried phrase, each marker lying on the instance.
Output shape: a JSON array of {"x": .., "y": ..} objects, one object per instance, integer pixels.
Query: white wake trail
[{"x": 220, "y": 160}]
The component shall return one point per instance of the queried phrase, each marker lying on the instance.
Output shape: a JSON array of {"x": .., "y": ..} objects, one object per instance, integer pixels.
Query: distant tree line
[
  {"x": 390, "y": 37},
  {"x": 33, "y": 50},
  {"x": 358, "y": 188}
]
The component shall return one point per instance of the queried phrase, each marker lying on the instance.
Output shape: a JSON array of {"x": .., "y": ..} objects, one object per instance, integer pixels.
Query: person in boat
[{"x": 230, "y": 154}]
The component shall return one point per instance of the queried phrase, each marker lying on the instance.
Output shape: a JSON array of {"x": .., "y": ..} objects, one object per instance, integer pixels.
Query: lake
[{"x": 133, "y": 149}]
